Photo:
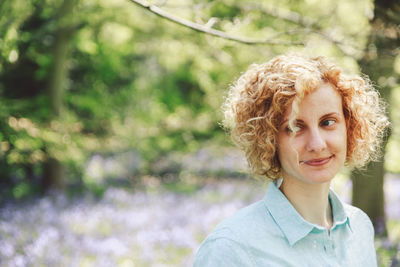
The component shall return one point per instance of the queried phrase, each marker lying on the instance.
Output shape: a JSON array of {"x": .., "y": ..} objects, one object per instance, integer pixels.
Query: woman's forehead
[{"x": 323, "y": 100}]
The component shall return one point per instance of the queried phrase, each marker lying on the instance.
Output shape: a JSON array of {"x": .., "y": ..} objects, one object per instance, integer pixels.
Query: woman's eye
[{"x": 328, "y": 122}]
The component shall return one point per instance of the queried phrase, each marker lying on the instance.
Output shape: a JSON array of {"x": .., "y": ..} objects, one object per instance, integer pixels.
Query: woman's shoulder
[
  {"x": 246, "y": 222},
  {"x": 359, "y": 220},
  {"x": 223, "y": 248},
  {"x": 355, "y": 213},
  {"x": 234, "y": 238}
]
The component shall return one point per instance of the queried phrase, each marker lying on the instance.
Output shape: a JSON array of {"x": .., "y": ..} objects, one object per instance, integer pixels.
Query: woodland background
[{"x": 97, "y": 96}]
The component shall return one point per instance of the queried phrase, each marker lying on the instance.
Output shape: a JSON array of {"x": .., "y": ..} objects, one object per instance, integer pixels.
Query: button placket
[
  {"x": 329, "y": 244},
  {"x": 315, "y": 244}
]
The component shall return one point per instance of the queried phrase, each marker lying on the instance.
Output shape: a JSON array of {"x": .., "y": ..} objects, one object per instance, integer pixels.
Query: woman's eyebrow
[{"x": 330, "y": 114}]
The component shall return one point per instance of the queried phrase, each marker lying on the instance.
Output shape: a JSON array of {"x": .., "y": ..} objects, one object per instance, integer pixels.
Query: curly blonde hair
[{"x": 256, "y": 104}]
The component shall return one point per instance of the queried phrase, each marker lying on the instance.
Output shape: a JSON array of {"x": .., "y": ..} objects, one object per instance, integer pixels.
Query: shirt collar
[
  {"x": 339, "y": 214},
  {"x": 292, "y": 224}
]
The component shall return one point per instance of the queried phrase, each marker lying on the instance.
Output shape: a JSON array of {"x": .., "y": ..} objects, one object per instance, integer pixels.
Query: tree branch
[
  {"x": 283, "y": 14},
  {"x": 203, "y": 29},
  {"x": 310, "y": 26}
]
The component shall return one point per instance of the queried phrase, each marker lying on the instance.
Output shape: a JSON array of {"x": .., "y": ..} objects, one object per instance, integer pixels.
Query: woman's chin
[{"x": 318, "y": 177}]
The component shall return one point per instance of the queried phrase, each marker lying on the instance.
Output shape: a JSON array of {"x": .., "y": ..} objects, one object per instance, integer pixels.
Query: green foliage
[
  {"x": 387, "y": 248},
  {"x": 223, "y": 10},
  {"x": 393, "y": 152},
  {"x": 136, "y": 81},
  {"x": 21, "y": 190}
]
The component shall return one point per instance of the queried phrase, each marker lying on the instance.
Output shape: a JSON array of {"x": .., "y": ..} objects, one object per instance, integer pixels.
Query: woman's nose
[{"x": 315, "y": 141}]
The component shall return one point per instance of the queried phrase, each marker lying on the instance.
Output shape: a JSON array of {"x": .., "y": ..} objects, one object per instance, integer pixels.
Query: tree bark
[
  {"x": 368, "y": 194},
  {"x": 54, "y": 173},
  {"x": 378, "y": 64}
]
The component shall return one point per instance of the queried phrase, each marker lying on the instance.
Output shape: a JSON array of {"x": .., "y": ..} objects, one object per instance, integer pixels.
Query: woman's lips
[{"x": 318, "y": 162}]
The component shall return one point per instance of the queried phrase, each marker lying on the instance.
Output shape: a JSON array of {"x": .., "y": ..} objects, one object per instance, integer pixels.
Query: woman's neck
[{"x": 310, "y": 200}]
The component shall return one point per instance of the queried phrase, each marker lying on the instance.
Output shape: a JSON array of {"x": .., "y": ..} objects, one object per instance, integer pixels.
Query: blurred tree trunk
[
  {"x": 378, "y": 64},
  {"x": 54, "y": 173}
]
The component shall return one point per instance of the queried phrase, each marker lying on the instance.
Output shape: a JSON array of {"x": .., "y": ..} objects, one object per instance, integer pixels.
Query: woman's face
[{"x": 317, "y": 151}]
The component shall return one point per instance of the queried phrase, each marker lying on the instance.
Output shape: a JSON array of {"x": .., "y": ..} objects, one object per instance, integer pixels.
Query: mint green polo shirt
[{"x": 271, "y": 232}]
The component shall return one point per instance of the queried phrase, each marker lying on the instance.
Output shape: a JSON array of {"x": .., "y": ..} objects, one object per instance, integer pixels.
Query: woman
[{"x": 299, "y": 120}]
